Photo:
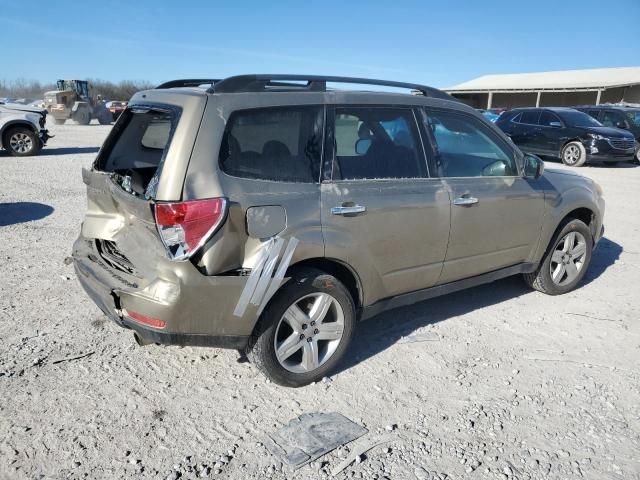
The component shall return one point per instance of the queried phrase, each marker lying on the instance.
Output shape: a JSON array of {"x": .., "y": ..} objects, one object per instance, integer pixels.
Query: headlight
[{"x": 595, "y": 136}]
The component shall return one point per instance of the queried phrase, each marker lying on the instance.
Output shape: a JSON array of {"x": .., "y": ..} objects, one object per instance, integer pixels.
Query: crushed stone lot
[{"x": 496, "y": 382}]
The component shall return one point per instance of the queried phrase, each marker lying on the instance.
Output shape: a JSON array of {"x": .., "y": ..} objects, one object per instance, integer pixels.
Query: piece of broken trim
[
  {"x": 310, "y": 436},
  {"x": 359, "y": 450}
]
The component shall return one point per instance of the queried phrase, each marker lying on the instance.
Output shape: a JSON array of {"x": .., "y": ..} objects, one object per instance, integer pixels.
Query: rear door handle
[
  {"x": 348, "y": 210},
  {"x": 465, "y": 201}
]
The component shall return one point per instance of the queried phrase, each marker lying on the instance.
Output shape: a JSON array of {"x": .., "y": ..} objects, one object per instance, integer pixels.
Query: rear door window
[
  {"x": 547, "y": 118},
  {"x": 278, "y": 143},
  {"x": 530, "y": 117},
  {"x": 377, "y": 143}
]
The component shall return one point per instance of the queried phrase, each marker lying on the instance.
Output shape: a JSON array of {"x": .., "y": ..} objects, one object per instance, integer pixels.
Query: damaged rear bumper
[{"x": 196, "y": 309}]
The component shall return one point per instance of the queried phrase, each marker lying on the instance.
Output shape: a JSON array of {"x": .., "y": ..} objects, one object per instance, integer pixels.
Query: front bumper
[
  {"x": 44, "y": 135},
  {"x": 197, "y": 309},
  {"x": 603, "y": 151}
]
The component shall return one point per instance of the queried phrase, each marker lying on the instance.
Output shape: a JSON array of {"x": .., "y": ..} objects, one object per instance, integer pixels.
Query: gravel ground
[{"x": 497, "y": 382}]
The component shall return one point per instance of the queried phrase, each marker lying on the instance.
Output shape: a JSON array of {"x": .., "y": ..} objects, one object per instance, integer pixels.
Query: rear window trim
[{"x": 173, "y": 110}]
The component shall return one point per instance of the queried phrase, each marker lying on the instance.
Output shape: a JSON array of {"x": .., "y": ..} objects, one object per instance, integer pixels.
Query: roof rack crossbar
[
  {"x": 262, "y": 82},
  {"x": 188, "y": 82}
]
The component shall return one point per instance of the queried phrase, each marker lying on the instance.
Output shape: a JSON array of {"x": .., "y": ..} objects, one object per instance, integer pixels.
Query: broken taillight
[{"x": 185, "y": 226}]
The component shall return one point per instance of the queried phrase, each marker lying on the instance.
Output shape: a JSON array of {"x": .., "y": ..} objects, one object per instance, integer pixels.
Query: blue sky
[{"x": 433, "y": 42}]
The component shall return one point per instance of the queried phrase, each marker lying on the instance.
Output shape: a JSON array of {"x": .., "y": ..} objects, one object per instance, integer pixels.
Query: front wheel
[
  {"x": 305, "y": 330},
  {"x": 566, "y": 262},
  {"x": 82, "y": 117},
  {"x": 105, "y": 117},
  {"x": 21, "y": 142},
  {"x": 574, "y": 154}
]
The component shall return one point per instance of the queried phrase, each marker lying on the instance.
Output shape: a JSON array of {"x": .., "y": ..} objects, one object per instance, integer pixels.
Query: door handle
[
  {"x": 348, "y": 210},
  {"x": 465, "y": 201}
]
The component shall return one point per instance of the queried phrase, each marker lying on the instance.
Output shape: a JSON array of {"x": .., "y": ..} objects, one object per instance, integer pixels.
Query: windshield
[
  {"x": 634, "y": 117},
  {"x": 574, "y": 118}
]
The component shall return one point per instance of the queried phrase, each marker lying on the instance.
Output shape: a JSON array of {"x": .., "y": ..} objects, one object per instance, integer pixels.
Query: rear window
[
  {"x": 279, "y": 143},
  {"x": 136, "y": 147}
]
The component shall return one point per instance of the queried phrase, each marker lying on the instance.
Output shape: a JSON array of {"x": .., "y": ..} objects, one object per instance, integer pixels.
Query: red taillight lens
[
  {"x": 152, "y": 322},
  {"x": 185, "y": 226}
]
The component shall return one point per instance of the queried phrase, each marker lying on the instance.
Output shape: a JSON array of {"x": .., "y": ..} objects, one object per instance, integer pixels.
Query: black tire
[
  {"x": 105, "y": 117},
  {"x": 82, "y": 117},
  {"x": 261, "y": 349},
  {"x": 541, "y": 279},
  {"x": 59, "y": 121},
  {"x": 573, "y": 154},
  {"x": 21, "y": 142}
]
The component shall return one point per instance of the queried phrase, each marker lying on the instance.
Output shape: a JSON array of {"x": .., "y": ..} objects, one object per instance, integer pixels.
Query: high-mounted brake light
[{"x": 185, "y": 226}]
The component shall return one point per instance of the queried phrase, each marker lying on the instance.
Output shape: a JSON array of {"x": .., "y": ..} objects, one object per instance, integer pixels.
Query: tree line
[{"x": 33, "y": 89}]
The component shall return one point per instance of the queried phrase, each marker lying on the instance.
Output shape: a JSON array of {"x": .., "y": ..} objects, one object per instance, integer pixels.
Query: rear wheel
[
  {"x": 305, "y": 330},
  {"x": 21, "y": 142},
  {"x": 566, "y": 262},
  {"x": 574, "y": 154}
]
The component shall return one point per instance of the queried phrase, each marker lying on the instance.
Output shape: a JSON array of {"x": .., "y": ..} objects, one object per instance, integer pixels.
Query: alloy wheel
[
  {"x": 568, "y": 258},
  {"x": 571, "y": 154},
  {"x": 21, "y": 142},
  {"x": 309, "y": 332}
]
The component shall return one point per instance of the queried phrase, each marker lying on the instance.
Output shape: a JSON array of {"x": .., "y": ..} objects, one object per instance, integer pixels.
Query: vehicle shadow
[
  {"x": 606, "y": 254},
  {"x": 67, "y": 150},
  {"x": 21, "y": 212},
  {"x": 383, "y": 331}
]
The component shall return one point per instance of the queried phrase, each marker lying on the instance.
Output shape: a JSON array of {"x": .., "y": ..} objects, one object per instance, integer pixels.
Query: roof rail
[
  {"x": 189, "y": 82},
  {"x": 262, "y": 83}
]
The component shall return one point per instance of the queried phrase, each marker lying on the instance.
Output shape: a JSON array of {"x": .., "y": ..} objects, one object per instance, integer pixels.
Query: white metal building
[{"x": 563, "y": 88}]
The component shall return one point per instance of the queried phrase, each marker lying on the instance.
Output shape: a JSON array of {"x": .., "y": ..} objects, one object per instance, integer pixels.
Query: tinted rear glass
[
  {"x": 281, "y": 144},
  {"x": 547, "y": 118},
  {"x": 529, "y": 117}
]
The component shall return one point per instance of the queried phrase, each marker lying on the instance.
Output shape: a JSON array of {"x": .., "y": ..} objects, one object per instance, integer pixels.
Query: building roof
[{"x": 592, "y": 79}]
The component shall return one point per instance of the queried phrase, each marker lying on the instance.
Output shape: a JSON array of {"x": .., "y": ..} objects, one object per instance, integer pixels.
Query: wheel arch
[
  {"x": 582, "y": 213},
  {"x": 15, "y": 123},
  {"x": 341, "y": 270}
]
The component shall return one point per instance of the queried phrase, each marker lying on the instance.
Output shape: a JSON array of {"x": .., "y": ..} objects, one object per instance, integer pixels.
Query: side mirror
[
  {"x": 555, "y": 124},
  {"x": 622, "y": 125},
  {"x": 533, "y": 166},
  {"x": 362, "y": 145}
]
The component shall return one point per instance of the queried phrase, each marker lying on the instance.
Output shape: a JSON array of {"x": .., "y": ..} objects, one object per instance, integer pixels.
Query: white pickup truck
[{"x": 23, "y": 129}]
